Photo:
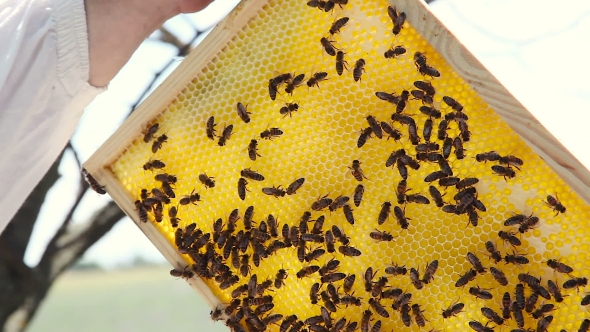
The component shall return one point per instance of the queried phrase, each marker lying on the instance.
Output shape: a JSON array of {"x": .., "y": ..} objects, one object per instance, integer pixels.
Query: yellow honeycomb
[{"x": 320, "y": 143}]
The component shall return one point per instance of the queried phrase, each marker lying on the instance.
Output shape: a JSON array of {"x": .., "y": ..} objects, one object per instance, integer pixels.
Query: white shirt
[{"x": 44, "y": 89}]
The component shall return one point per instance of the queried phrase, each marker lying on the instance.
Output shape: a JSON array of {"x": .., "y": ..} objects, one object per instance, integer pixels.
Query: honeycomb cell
[{"x": 319, "y": 143}]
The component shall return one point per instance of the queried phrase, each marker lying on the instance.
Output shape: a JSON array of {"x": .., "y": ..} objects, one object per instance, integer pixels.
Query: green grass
[{"x": 142, "y": 300}]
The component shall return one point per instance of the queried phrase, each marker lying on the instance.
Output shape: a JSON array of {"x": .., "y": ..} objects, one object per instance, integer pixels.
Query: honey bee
[
  {"x": 252, "y": 175},
  {"x": 287, "y": 322},
  {"x": 317, "y": 78},
  {"x": 294, "y": 83},
  {"x": 328, "y": 46},
  {"x": 479, "y": 327},
  {"x": 341, "y": 64},
  {"x": 397, "y": 18},
  {"x": 403, "y": 119},
  {"x": 271, "y": 133},
  {"x": 356, "y": 171},
  {"x": 359, "y": 68},
  {"x": 390, "y": 131},
  {"x": 505, "y": 172},
  {"x": 348, "y": 214},
  {"x": 492, "y": 315},
  {"x": 317, "y": 238},
  {"x": 93, "y": 183},
  {"x": 459, "y": 150},
  {"x": 364, "y": 136},
  {"x": 172, "y": 212},
  {"x": 192, "y": 198},
  {"x": 516, "y": 259},
  {"x": 394, "y": 52},
  {"x": 474, "y": 260},
  {"x": 313, "y": 293},
  {"x": 427, "y": 130},
  {"x": 357, "y": 197},
  {"x": 321, "y": 203},
  {"x": 158, "y": 142},
  {"x": 149, "y": 133},
  {"x": 494, "y": 253},
  {"x": 487, "y": 156},
  {"x": 225, "y": 135},
  {"x": 280, "y": 278},
  {"x": 480, "y": 293},
  {"x": 395, "y": 270},
  {"x": 330, "y": 241},
  {"x": 384, "y": 213},
  {"x": 401, "y": 218},
  {"x": 349, "y": 282},
  {"x": 499, "y": 276},
  {"x": 349, "y": 251},
  {"x": 542, "y": 310},
  {"x": 338, "y": 24},
  {"x": 401, "y": 301},
  {"x": 430, "y": 271},
  {"x": 272, "y": 92},
  {"x": 381, "y": 236},
  {"x": 332, "y": 277},
  {"x": 510, "y": 238},
  {"x": 253, "y": 150},
  {"x": 339, "y": 202},
  {"x": 375, "y": 126},
  {"x": 454, "y": 104},
  {"x": 368, "y": 279},
  {"x": 184, "y": 274},
  {"x": 207, "y": 180},
  {"x": 543, "y": 324},
  {"x": 243, "y": 112},
  {"x": 429, "y": 71},
  {"x": 418, "y": 316},
  {"x": 555, "y": 204},
  {"x": 274, "y": 191},
  {"x": 339, "y": 234},
  {"x": 466, "y": 278},
  {"x": 417, "y": 198},
  {"x": 321, "y": 5},
  {"x": 585, "y": 300},
  {"x": 575, "y": 283},
  {"x": 413, "y": 134},
  {"x": 584, "y": 326},
  {"x": 165, "y": 177},
  {"x": 288, "y": 109},
  {"x": 422, "y": 96},
  {"x": 415, "y": 278},
  {"x": 528, "y": 279},
  {"x": 420, "y": 59},
  {"x": 330, "y": 266},
  {"x": 242, "y": 183},
  {"x": 554, "y": 289},
  {"x": 315, "y": 254},
  {"x": 153, "y": 164},
  {"x": 436, "y": 196},
  {"x": 378, "y": 307},
  {"x": 453, "y": 310},
  {"x": 366, "y": 320}
]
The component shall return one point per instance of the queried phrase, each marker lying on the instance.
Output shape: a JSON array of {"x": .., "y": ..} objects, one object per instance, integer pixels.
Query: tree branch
[
  {"x": 182, "y": 51},
  {"x": 66, "y": 247}
]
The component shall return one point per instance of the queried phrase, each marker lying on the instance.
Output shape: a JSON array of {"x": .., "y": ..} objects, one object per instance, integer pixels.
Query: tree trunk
[{"x": 26, "y": 294}]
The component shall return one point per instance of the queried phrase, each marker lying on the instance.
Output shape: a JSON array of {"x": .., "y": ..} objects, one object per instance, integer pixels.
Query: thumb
[{"x": 191, "y": 6}]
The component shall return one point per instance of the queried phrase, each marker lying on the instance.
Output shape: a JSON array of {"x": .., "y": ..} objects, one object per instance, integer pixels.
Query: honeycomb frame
[{"x": 420, "y": 18}]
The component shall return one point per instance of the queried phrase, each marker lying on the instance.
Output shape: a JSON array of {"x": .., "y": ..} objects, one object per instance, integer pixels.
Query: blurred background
[{"x": 71, "y": 261}]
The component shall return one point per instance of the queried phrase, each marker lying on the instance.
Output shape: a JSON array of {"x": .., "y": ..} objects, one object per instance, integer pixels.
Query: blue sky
[{"x": 537, "y": 49}]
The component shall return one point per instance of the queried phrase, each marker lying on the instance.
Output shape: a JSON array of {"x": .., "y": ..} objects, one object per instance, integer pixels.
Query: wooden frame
[{"x": 422, "y": 19}]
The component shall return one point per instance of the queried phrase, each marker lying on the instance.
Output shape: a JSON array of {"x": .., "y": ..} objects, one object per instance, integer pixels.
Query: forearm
[{"x": 116, "y": 28}]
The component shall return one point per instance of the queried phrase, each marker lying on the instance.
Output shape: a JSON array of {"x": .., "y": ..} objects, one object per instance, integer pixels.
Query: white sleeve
[{"x": 44, "y": 89}]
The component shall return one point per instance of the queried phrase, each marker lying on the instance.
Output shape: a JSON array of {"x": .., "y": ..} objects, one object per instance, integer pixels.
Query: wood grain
[{"x": 567, "y": 166}]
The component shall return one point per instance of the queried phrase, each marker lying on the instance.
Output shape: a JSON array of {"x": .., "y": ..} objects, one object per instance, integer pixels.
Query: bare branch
[
  {"x": 182, "y": 51},
  {"x": 66, "y": 247}
]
